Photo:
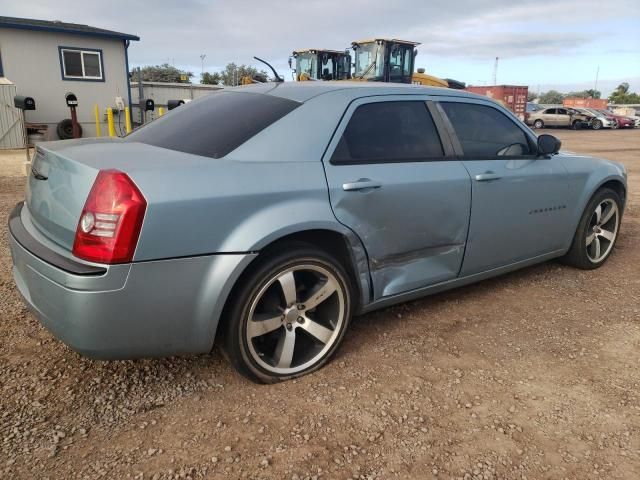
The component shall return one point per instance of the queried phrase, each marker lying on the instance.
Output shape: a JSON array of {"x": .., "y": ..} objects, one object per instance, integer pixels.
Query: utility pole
[
  {"x": 595, "y": 86},
  {"x": 495, "y": 72},
  {"x": 202, "y": 57}
]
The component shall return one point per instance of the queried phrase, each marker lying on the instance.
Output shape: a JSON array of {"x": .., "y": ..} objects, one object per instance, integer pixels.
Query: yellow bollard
[
  {"x": 160, "y": 111},
  {"x": 112, "y": 127},
  {"x": 127, "y": 120},
  {"x": 96, "y": 112}
]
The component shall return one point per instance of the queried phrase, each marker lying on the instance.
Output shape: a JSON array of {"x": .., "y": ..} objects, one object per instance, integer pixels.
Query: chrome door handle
[
  {"x": 487, "y": 176},
  {"x": 361, "y": 184}
]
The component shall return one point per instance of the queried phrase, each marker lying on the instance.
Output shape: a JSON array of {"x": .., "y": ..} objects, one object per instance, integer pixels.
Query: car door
[
  {"x": 397, "y": 185},
  {"x": 549, "y": 117},
  {"x": 564, "y": 118},
  {"x": 520, "y": 201}
]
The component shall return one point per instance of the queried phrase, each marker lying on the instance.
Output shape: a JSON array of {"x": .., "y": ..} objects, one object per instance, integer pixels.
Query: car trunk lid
[{"x": 57, "y": 188}]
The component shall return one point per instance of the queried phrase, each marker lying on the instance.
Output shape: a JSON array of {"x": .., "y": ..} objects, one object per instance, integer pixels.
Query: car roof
[{"x": 304, "y": 91}]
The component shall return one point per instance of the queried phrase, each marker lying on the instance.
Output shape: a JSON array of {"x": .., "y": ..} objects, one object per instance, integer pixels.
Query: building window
[{"x": 79, "y": 64}]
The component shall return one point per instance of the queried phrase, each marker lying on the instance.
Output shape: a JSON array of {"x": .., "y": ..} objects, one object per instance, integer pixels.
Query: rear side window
[
  {"x": 214, "y": 125},
  {"x": 485, "y": 132},
  {"x": 389, "y": 132}
]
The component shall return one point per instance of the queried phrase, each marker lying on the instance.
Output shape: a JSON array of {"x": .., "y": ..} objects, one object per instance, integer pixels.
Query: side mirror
[{"x": 548, "y": 145}]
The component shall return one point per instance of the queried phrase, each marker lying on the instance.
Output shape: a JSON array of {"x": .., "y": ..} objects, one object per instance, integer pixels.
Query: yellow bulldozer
[
  {"x": 321, "y": 64},
  {"x": 393, "y": 60},
  {"x": 376, "y": 60}
]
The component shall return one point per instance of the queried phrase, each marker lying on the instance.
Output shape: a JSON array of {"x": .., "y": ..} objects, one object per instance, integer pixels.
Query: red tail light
[{"x": 111, "y": 220}]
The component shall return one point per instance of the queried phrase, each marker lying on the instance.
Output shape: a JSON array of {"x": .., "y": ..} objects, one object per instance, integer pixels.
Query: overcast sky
[{"x": 541, "y": 43}]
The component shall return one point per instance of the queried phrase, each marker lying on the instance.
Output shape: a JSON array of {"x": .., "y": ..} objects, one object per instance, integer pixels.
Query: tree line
[
  {"x": 620, "y": 96},
  {"x": 231, "y": 75}
]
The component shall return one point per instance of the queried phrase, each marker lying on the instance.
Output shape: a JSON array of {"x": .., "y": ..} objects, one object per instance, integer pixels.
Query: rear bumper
[{"x": 127, "y": 311}]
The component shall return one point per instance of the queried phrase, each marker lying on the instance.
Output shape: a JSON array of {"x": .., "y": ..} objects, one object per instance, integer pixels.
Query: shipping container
[
  {"x": 599, "y": 103},
  {"x": 514, "y": 97}
]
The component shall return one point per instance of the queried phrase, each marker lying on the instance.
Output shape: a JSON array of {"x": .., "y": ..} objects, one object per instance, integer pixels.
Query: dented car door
[{"x": 395, "y": 183}]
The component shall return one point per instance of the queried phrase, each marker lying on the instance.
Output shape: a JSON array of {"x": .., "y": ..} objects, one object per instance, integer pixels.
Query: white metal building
[{"x": 47, "y": 59}]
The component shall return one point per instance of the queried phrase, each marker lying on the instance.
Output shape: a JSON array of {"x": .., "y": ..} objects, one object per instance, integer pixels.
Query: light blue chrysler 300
[{"x": 266, "y": 216}]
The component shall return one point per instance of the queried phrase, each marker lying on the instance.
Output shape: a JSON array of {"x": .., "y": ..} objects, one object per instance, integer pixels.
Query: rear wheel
[
  {"x": 289, "y": 316},
  {"x": 538, "y": 124},
  {"x": 577, "y": 124},
  {"x": 596, "y": 125},
  {"x": 597, "y": 231}
]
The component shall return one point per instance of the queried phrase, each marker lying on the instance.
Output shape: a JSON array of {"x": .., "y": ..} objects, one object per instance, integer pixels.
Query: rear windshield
[{"x": 214, "y": 125}]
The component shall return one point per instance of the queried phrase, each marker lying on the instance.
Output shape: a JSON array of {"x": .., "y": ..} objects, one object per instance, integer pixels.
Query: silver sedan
[{"x": 265, "y": 217}]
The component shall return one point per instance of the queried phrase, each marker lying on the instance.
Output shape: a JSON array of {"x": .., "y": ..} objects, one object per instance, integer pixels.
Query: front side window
[
  {"x": 485, "y": 132},
  {"x": 389, "y": 132},
  {"x": 369, "y": 60},
  {"x": 400, "y": 58},
  {"x": 306, "y": 63},
  {"x": 81, "y": 64},
  {"x": 326, "y": 67},
  {"x": 343, "y": 69}
]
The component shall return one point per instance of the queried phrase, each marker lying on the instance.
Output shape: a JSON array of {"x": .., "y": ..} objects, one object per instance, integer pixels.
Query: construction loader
[
  {"x": 321, "y": 64},
  {"x": 393, "y": 60}
]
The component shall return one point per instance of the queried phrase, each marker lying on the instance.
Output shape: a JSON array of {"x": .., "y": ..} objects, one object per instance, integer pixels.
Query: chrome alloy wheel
[
  {"x": 602, "y": 230},
  {"x": 295, "y": 319}
]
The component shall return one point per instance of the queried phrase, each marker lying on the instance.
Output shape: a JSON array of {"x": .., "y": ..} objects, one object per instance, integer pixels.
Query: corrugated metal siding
[
  {"x": 161, "y": 93},
  {"x": 601, "y": 103},
  {"x": 513, "y": 97},
  {"x": 11, "y": 126}
]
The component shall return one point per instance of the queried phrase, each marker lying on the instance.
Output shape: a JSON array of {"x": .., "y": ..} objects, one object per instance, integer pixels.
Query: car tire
[
  {"x": 538, "y": 124},
  {"x": 576, "y": 125},
  {"x": 269, "y": 334},
  {"x": 596, "y": 125},
  {"x": 615, "y": 125},
  {"x": 597, "y": 231}
]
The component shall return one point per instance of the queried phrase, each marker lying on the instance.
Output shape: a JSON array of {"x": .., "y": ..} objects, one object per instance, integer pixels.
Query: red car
[{"x": 623, "y": 122}]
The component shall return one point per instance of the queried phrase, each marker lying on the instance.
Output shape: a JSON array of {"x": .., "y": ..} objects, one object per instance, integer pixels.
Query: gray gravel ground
[{"x": 531, "y": 375}]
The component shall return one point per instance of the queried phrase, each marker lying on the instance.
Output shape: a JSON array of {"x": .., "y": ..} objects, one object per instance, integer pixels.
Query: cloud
[{"x": 178, "y": 32}]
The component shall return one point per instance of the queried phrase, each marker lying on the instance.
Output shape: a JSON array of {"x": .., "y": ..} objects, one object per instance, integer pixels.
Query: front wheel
[
  {"x": 597, "y": 231},
  {"x": 538, "y": 124},
  {"x": 597, "y": 125},
  {"x": 290, "y": 315}
]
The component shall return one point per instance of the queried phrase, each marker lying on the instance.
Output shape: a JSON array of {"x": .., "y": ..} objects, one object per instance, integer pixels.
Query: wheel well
[
  {"x": 327, "y": 240},
  {"x": 617, "y": 187}
]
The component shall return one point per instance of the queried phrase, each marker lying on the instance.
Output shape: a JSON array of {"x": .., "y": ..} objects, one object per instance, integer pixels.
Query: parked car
[
  {"x": 266, "y": 216},
  {"x": 605, "y": 120},
  {"x": 598, "y": 119},
  {"x": 557, "y": 117},
  {"x": 533, "y": 107},
  {"x": 621, "y": 120}
]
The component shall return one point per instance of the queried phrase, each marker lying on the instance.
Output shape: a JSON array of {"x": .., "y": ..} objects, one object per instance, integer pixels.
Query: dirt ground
[{"x": 533, "y": 375}]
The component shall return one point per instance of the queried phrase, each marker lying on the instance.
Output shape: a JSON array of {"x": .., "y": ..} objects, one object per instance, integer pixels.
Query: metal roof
[
  {"x": 63, "y": 27},
  {"x": 395, "y": 40},
  {"x": 318, "y": 50}
]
